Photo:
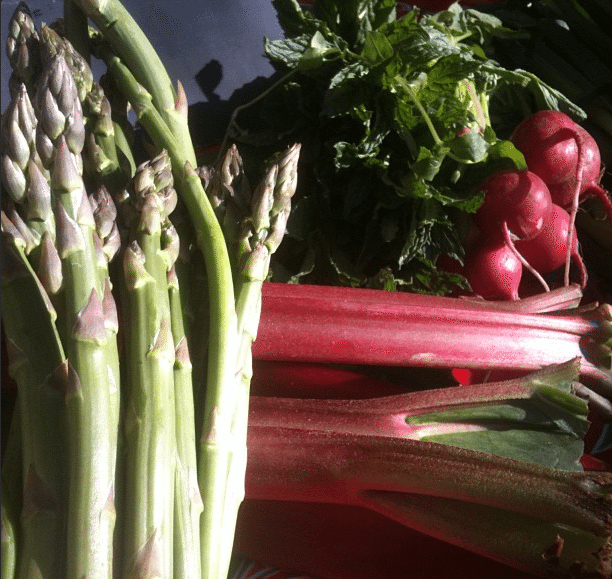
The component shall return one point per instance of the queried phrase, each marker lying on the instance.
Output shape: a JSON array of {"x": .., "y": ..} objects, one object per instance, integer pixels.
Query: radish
[
  {"x": 547, "y": 251},
  {"x": 493, "y": 270},
  {"x": 567, "y": 158},
  {"x": 556, "y": 148},
  {"x": 563, "y": 192},
  {"x": 550, "y": 152},
  {"x": 516, "y": 205},
  {"x": 517, "y": 199}
]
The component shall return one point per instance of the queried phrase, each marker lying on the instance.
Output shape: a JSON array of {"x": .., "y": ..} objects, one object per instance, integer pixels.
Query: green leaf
[
  {"x": 347, "y": 90},
  {"x": 354, "y": 19},
  {"x": 546, "y": 97},
  {"x": 546, "y": 428},
  {"x": 376, "y": 49},
  {"x": 471, "y": 146},
  {"x": 288, "y": 51},
  {"x": 319, "y": 50},
  {"x": 507, "y": 150}
]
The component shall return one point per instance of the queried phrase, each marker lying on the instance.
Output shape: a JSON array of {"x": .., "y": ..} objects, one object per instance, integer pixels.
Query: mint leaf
[
  {"x": 288, "y": 51},
  {"x": 377, "y": 49}
]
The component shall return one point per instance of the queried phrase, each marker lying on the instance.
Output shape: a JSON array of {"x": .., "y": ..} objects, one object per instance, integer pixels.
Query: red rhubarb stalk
[
  {"x": 378, "y": 454},
  {"x": 362, "y": 326}
]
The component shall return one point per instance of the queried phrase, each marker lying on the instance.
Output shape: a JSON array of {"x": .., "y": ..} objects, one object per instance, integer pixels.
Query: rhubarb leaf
[{"x": 547, "y": 428}]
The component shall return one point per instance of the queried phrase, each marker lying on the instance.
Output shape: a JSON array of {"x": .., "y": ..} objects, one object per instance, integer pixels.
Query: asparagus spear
[
  {"x": 22, "y": 49},
  {"x": 100, "y": 156},
  {"x": 92, "y": 398},
  {"x": 150, "y": 467},
  {"x": 188, "y": 500},
  {"x": 36, "y": 362},
  {"x": 24, "y": 181},
  {"x": 253, "y": 239}
]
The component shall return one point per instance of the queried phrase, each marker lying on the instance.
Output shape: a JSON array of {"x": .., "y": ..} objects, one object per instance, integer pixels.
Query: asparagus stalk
[
  {"x": 36, "y": 362},
  {"x": 92, "y": 395},
  {"x": 131, "y": 44},
  {"x": 12, "y": 497},
  {"x": 188, "y": 500},
  {"x": 150, "y": 470}
]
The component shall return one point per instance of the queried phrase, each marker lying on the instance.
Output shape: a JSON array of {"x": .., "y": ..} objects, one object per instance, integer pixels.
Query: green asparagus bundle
[{"x": 150, "y": 442}]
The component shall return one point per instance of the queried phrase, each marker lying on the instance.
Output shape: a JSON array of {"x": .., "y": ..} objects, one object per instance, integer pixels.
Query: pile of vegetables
[
  {"x": 399, "y": 121},
  {"x": 136, "y": 311}
]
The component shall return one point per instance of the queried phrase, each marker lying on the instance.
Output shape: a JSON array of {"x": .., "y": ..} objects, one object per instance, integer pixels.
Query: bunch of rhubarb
[{"x": 494, "y": 467}]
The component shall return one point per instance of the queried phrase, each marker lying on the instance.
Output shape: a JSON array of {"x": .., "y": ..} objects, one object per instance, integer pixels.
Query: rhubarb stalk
[
  {"x": 362, "y": 326},
  {"x": 375, "y": 454}
]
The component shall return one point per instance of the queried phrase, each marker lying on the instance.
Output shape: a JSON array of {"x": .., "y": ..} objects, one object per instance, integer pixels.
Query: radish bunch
[
  {"x": 517, "y": 206},
  {"x": 527, "y": 218},
  {"x": 566, "y": 157}
]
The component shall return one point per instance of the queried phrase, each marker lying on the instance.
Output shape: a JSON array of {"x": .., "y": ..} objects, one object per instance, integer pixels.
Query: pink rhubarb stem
[
  {"x": 304, "y": 323},
  {"x": 387, "y": 415},
  {"x": 299, "y": 464}
]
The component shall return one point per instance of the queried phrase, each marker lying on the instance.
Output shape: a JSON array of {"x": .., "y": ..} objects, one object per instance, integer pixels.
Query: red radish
[
  {"x": 563, "y": 192},
  {"x": 493, "y": 270},
  {"x": 518, "y": 199},
  {"x": 567, "y": 158},
  {"x": 516, "y": 205},
  {"x": 547, "y": 251},
  {"x": 550, "y": 152},
  {"x": 556, "y": 149}
]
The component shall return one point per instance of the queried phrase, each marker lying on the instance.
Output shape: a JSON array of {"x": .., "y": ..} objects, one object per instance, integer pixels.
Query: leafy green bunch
[{"x": 394, "y": 114}]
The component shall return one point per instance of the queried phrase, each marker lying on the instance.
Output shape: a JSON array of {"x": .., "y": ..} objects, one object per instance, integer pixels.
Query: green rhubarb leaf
[{"x": 546, "y": 428}]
